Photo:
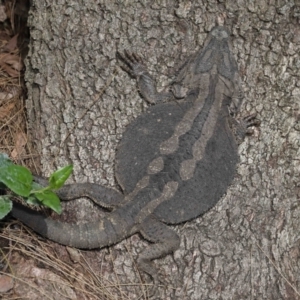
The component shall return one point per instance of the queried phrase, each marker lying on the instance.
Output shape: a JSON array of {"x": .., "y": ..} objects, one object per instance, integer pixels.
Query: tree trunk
[{"x": 247, "y": 247}]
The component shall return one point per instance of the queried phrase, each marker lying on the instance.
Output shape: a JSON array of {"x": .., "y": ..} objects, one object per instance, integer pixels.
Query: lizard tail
[{"x": 102, "y": 233}]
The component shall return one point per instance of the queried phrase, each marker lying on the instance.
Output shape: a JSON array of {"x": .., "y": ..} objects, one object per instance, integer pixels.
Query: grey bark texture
[{"x": 247, "y": 247}]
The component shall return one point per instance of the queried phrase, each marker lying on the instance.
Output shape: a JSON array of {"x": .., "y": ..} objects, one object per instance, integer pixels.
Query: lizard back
[{"x": 188, "y": 142}]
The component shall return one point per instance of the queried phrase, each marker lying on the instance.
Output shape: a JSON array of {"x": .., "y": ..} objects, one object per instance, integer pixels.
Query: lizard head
[
  {"x": 217, "y": 52},
  {"x": 219, "y": 33}
]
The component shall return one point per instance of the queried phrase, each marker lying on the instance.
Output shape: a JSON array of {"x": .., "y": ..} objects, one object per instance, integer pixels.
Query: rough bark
[{"x": 247, "y": 247}]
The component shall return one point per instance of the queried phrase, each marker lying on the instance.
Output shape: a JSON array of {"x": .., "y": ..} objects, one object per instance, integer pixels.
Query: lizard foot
[
  {"x": 133, "y": 64},
  {"x": 241, "y": 127},
  {"x": 249, "y": 121}
]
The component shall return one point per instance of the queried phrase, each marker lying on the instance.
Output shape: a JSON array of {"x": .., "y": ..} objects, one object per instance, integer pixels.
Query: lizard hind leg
[{"x": 164, "y": 240}]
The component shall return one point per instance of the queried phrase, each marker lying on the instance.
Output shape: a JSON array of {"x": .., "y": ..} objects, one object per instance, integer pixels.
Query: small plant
[{"x": 20, "y": 181}]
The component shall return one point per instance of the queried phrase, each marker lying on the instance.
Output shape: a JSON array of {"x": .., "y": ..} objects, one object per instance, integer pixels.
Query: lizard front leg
[{"x": 134, "y": 65}]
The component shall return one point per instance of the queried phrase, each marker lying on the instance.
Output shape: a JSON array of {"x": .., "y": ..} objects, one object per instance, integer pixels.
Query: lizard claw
[
  {"x": 133, "y": 63},
  {"x": 153, "y": 283},
  {"x": 241, "y": 127},
  {"x": 250, "y": 121}
]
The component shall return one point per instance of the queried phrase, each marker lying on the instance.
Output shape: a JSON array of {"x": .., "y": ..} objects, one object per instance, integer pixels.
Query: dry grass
[{"x": 64, "y": 277}]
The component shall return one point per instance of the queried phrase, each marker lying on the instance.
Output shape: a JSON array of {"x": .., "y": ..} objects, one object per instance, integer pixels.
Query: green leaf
[
  {"x": 49, "y": 199},
  {"x": 58, "y": 178},
  {"x": 4, "y": 160},
  {"x": 16, "y": 178},
  {"x": 36, "y": 187},
  {"x": 32, "y": 200},
  {"x": 5, "y": 206}
]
